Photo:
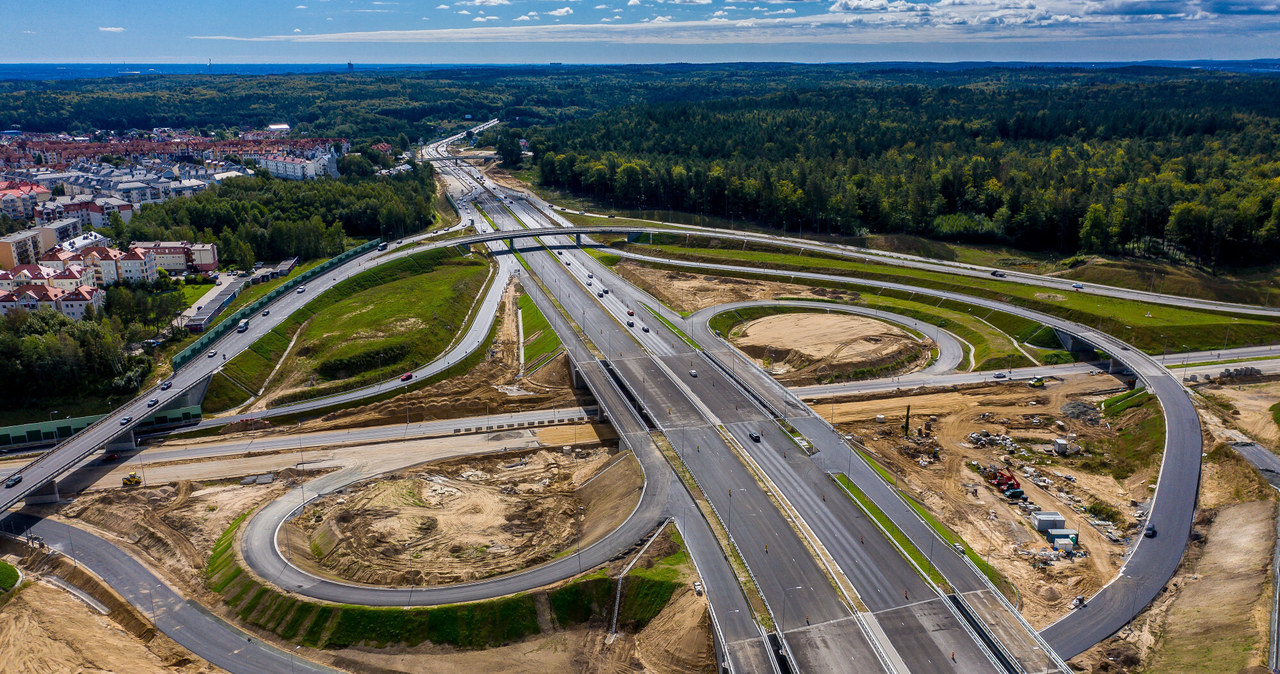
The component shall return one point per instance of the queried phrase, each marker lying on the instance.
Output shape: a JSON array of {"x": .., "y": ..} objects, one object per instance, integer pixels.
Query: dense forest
[
  {"x": 263, "y": 218},
  {"x": 1171, "y": 164}
]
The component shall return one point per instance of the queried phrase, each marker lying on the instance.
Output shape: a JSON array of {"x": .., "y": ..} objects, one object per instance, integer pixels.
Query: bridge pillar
[
  {"x": 125, "y": 441},
  {"x": 577, "y": 239},
  {"x": 47, "y": 493},
  {"x": 511, "y": 243},
  {"x": 1071, "y": 343}
]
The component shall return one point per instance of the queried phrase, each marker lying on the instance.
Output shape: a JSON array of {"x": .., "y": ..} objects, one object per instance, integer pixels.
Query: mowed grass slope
[
  {"x": 395, "y": 317},
  {"x": 1151, "y": 327},
  {"x": 539, "y": 339}
]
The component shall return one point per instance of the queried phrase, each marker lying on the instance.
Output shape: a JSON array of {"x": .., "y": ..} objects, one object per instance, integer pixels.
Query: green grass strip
[
  {"x": 904, "y": 544},
  {"x": 671, "y": 326}
]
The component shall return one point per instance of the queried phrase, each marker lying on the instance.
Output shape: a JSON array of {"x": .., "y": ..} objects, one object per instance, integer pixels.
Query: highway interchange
[{"x": 838, "y": 604}]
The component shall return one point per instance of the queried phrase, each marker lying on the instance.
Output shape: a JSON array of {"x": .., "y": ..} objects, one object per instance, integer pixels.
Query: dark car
[
  {"x": 406, "y": 376},
  {"x": 125, "y": 421},
  {"x": 12, "y": 481},
  {"x": 153, "y": 402},
  {"x": 631, "y": 312},
  {"x": 1149, "y": 532},
  {"x": 645, "y": 328},
  {"x": 998, "y": 274},
  {"x": 166, "y": 386},
  {"x": 755, "y": 437},
  {"x": 631, "y": 324}
]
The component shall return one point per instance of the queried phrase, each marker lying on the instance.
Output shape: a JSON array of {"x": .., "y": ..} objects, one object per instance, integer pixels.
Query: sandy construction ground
[
  {"x": 464, "y": 519},
  {"x": 990, "y": 524},
  {"x": 803, "y": 348},
  {"x": 46, "y": 629},
  {"x": 690, "y": 292},
  {"x": 1254, "y": 402}
]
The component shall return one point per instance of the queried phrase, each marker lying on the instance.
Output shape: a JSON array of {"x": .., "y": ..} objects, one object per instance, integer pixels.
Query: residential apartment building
[
  {"x": 89, "y": 210},
  {"x": 180, "y": 256},
  {"x": 105, "y": 266},
  {"x": 292, "y": 168},
  {"x": 58, "y": 232},
  {"x": 70, "y": 303},
  {"x": 19, "y": 199},
  {"x": 19, "y": 248}
]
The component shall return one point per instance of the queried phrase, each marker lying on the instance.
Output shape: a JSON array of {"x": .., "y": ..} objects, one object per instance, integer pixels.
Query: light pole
[
  {"x": 409, "y": 553},
  {"x": 51, "y": 414}
]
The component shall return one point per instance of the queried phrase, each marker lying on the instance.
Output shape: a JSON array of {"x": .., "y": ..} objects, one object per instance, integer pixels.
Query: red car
[
  {"x": 406, "y": 376},
  {"x": 630, "y": 312},
  {"x": 111, "y": 457}
]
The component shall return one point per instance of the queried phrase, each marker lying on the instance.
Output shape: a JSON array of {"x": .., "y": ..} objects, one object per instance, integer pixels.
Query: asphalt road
[
  {"x": 1153, "y": 560},
  {"x": 184, "y": 621},
  {"x": 963, "y": 269}
]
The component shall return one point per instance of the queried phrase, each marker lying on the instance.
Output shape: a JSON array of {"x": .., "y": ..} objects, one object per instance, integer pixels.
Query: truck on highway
[{"x": 243, "y": 325}]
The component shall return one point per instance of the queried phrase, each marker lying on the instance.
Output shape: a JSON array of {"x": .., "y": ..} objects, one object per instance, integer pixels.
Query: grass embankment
[
  {"x": 1247, "y": 286},
  {"x": 8, "y": 576},
  {"x": 727, "y": 322},
  {"x": 473, "y": 625},
  {"x": 1139, "y": 436},
  {"x": 540, "y": 341},
  {"x": 992, "y": 349},
  {"x": 905, "y": 545},
  {"x": 393, "y": 317},
  {"x": 1150, "y": 327}
]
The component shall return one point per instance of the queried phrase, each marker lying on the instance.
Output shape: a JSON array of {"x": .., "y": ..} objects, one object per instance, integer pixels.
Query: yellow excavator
[{"x": 131, "y": 480}]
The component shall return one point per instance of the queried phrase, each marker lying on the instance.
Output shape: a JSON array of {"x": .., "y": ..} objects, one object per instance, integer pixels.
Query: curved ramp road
[
  {"x": 1153, "y": 560},
  {"x": 183, "y": 620},
  {"x": 950, "y": 350},
  {"x": 955, "y": 268}
]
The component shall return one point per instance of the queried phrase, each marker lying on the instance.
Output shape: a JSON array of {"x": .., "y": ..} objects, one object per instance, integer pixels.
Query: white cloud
[
  {"x": 297, "y": 30},
  {"x": 442, "y": 7},
  {"x": 789, "y": 10},
  {"x": 111, "y": 29},
  {"x": 463, "y": 11},
  {"x": 524, "y": 17},
  {"x": 661, "y": 19},
  {"x": 563, "y": 11},
  {"x": 633, "y": 3},
  {"x": 600, "y": 7},
  {"x": 300, "y": 7},
  {"x": 483, "y": 3},
  {"x": 688, "y": 2},
  {"x": 28, "y": 32},
  {"x": 720, "y": 12},
  {"x": 482, "y": 19}
]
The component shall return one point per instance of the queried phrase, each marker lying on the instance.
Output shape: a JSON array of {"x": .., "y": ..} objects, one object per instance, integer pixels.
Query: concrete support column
[
  {"x": 47, "y": 493},
  {"x": 577, "y": 239}
]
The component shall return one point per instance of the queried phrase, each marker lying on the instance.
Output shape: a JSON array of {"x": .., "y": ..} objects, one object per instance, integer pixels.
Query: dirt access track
[
  {"x": 465, "y": 519},
  {"x": 803, "y": 348},
  {"x": 960, "y": 497}
]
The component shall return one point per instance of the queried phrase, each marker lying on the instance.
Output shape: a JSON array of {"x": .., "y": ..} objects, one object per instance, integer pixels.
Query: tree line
[
  {"x": 1177, "y": 165},
  {"x": 264, "y": 218}
]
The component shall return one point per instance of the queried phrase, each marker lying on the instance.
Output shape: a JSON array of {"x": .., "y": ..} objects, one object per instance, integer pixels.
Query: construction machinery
[
  {"x": 1036, "y": 382},
  {"x": 1006, "y": 483},
  {"x": 131, "y": 480}
]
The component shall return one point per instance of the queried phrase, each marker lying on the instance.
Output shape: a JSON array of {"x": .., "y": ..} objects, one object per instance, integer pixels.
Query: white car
[{"x": 302, "y": 289}]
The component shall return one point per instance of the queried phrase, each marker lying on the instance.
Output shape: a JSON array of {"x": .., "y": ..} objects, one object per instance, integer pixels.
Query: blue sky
[{"x": 618, "y": 31}]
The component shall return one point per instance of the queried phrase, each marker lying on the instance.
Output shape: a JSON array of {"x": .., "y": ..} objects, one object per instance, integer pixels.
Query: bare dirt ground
[
  {"x": 691, "y": 292},
  {"x": 1215, "y": 615},
  {"x": 46, "y": 629},
  {"x": 465, "y": 519},
  {"x": 803, "y": 348},
  {"x": 963, "y": 500},
  {"x": 1253, "y": 402}
]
